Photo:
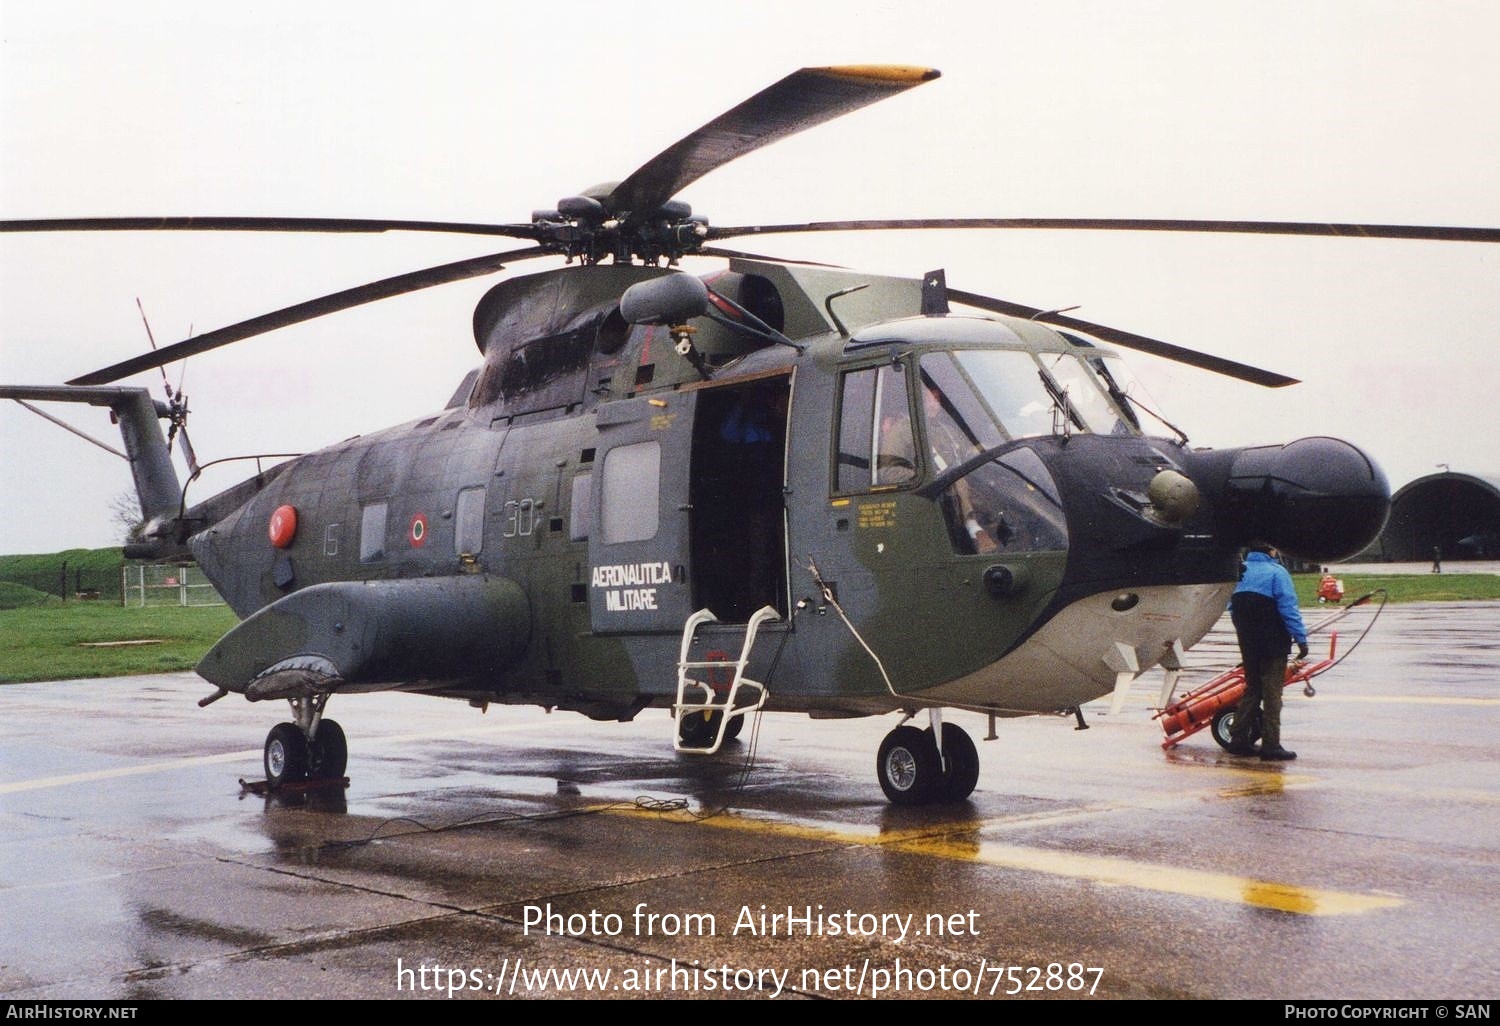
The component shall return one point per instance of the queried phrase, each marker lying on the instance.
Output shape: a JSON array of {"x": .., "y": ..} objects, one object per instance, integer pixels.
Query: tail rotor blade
[
  {"x": 166, "y": 383},
  {"x": 185, "y": 446}
]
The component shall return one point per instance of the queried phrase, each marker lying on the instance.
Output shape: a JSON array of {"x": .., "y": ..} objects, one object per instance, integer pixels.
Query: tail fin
[{"x": 145, "y": 447}]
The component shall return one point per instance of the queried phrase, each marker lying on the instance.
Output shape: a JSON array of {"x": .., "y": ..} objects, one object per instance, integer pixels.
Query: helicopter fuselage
[{"x": 941, "y": 510}]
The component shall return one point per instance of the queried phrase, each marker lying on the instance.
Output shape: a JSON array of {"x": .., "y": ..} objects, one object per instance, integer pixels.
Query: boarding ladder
[{"x": 695, "y": 696}]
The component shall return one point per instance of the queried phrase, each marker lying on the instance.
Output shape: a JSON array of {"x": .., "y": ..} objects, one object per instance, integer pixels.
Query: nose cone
[{"x": 1315, "y": 498}]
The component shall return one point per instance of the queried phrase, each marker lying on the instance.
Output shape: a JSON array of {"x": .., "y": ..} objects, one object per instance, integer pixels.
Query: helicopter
[{"x": 778, "y": 486}]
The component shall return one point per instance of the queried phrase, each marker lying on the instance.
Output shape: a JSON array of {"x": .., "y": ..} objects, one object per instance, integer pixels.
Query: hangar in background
[{"x": 1456, "y": 514}]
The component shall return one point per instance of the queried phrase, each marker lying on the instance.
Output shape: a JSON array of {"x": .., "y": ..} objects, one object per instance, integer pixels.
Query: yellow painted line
[
  {"x": 1150, "y": 876},
  {"x": 41, "y": 783},
  {"x": 963, "y": 845}
]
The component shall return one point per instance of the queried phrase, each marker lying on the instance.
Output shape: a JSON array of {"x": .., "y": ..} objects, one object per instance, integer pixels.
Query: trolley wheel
[
  {"x": 1223, "y": 725},
  {"x": 736, "y": 724},
  {"x": 908, "y": 767},
  {"x": 697, "y": 729}
]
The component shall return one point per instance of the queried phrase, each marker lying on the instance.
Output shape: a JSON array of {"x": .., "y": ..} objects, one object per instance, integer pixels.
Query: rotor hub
[{"x": 585, "y": 228}]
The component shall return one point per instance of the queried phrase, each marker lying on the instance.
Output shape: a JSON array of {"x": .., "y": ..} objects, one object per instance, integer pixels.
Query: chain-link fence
[
  {"x": 96, "y": 576},
  {"x": 165, "y": 584}
]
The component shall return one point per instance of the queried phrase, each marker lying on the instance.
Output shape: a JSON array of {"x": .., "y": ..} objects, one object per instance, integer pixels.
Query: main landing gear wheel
[
  {"x": 287, "y": 755},
  {"x": 912, "y": 773},
  {"x": 962, "y": 770},
  {"x": 1224, "y": 724},
  {"x": 908, "y": 766},
  {"x": 330, "y": 752}
]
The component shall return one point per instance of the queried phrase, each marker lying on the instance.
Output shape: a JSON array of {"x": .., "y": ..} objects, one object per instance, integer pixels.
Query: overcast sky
[{"x": 1364, "y": 111}]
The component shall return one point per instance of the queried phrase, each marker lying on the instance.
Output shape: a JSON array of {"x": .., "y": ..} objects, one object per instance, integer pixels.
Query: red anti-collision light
[{"x": 283, "y": 527}]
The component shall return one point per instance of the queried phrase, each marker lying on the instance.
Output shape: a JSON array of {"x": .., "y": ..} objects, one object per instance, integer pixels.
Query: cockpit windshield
[
  {"x": 977, "y": 400},
  {"x": 1087, "y": 402},
  {"x": 1012, "y": 386},
  {"x": 993, "y": 395}
]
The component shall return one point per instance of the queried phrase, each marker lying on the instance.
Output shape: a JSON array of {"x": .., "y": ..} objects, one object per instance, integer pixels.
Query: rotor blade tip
[{"x": 889, "y": 74}]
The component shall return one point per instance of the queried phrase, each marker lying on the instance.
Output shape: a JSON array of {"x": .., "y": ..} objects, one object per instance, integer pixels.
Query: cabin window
[
  {"x": 468, "y": 528},
  {"x": 876, "y": 445},
  {"x": 372, "y": 532},
  {"x": 578, "y": 511},
  {"x": 629, "y": 485}
]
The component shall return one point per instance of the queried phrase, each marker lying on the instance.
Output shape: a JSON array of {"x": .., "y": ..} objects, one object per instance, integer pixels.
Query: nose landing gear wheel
[
  {"x": 908, "y": 766},
  {"x": 962, "y": 770},
  {"x": 329, "y": 752},
  {"x": 287, "y": 757}
]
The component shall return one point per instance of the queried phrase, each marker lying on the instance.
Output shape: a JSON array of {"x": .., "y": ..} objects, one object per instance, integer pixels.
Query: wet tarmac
[{"x": 523, "y": 854}]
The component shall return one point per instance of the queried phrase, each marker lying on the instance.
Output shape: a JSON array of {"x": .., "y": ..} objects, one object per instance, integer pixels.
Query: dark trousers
[{"x": 1265, "y": 676}]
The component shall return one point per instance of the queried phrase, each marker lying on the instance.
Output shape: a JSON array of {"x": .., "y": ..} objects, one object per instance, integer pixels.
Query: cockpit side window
[
  {"x": 876, "y": 443},
  {"x": 895, "y": 444},
  {"x": 856, "y": 412}
]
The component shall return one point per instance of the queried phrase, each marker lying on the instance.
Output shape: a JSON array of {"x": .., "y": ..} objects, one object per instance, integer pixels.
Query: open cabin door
[
  {"x": 639, "y": 545},
  {"x": 739, "y": 497}
]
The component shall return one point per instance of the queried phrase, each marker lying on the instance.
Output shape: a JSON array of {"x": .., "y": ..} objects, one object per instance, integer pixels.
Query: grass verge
[
  {"x": 1406, "y": 587},
  {"x": 53, "y": 642}
]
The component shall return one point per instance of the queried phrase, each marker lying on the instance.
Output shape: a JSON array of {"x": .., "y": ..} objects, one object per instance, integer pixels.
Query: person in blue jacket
[{"x": 1266, "y": 620}]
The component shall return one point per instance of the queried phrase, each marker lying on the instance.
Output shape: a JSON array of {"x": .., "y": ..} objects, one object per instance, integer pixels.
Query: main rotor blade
[
  {"x": 1191, "y": 357},
  {"x": 738, "y": 254},
  {"x": 358, "y": 296},
  {"x": 1103, "y": 224},
  {"x": 262, "y": 224},
  {"x": 802, "y": 100}
]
